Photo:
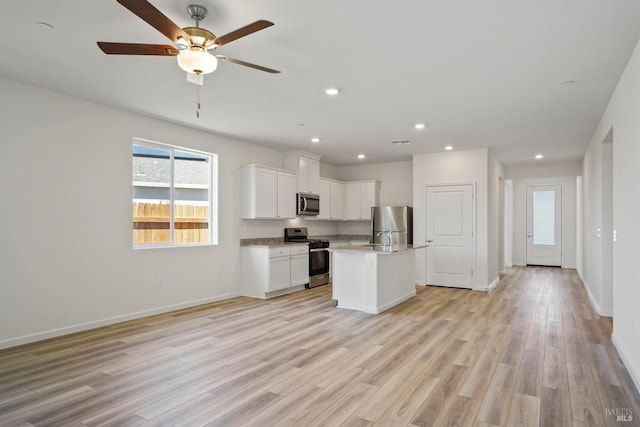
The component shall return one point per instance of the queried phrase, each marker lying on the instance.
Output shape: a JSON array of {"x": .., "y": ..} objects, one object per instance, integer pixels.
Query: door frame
[
  {"x": 526, "y": 219},
  {"x": 474, "y": 221}
]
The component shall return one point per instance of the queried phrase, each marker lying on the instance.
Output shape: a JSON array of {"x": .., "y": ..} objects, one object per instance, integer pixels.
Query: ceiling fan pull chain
[{"x": 197, "y": 102}]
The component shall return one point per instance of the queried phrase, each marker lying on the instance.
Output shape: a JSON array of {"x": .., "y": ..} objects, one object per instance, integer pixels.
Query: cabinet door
[
  {"x": 309, "y": 175},
  {"x": 352, "y": 201},
  {"x": 286, "y": 195},
  {"x": 337, "y": 201},
  {"x": 324, "y": 190},
  {"x": 367, "y": 199},
  {"x": 266, "y": 193},
  {"x": 279, "y": 273},
  {"x": 300, "y": 269}
]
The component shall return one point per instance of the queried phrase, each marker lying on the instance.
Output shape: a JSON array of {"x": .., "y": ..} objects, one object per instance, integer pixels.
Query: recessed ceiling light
[
  {"x": 448, "y": 147},
  {"x": 539, "y": 157},
  {"x": 361, "y": 156},
  {"x": 315, "y": 140},
  {"x": 419, "y": 126},
  {"x": 331, "y": 91}
]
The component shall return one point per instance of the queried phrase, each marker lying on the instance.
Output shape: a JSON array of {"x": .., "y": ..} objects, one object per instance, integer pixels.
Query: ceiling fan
[{"x": 193, "y": 44}]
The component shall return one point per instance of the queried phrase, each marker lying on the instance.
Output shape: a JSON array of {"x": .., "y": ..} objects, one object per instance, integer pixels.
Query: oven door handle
[{"x": 318, "y": 250}]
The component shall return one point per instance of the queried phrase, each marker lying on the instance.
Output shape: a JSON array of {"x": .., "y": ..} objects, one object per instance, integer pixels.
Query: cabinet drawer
[
  {"x": 279, "y": 251},
  {"x": 299, "y": 250}
]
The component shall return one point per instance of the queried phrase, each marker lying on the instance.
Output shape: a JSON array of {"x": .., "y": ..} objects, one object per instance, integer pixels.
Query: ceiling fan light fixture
[{"x": 197, "y": 61}]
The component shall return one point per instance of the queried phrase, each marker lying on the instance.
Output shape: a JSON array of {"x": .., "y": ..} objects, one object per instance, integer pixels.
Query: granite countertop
[
  {"x": 279, "y": 241},
  {"x": 379, "y": 248}
]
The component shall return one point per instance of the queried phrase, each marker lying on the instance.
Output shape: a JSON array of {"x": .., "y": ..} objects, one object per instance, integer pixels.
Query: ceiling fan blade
[
  {"x": 244, "y": 31},
  {"x": 247, "y": 64},
  {"x": 137, "y": 49},
  {"x": 152, "y": 16}
]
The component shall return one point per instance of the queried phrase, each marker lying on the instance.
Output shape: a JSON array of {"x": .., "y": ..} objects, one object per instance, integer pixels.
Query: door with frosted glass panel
[{"x": 544, "y": 225}]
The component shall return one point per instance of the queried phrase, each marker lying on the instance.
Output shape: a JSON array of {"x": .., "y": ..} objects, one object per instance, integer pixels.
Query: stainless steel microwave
[{"x": 308, "y": 204}]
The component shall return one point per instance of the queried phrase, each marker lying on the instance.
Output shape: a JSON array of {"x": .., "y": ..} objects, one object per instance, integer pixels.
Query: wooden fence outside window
[{"x": 151, "y": 223}]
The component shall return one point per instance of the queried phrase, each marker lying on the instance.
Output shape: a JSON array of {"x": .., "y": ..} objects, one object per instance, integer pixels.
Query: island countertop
[{"x": 379, "y": 249}]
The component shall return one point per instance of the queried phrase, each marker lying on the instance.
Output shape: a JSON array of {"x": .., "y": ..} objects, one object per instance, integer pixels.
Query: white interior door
[
  {"x": 449, "y": 232},
  {"x": 544, "y": 222}
]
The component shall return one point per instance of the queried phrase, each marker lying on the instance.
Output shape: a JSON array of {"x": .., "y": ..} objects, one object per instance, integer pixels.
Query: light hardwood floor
[{"x": 530, "y": 353}]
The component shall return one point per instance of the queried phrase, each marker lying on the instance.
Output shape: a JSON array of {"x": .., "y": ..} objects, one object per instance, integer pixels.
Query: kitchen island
[{"x": 372, "y": 278}]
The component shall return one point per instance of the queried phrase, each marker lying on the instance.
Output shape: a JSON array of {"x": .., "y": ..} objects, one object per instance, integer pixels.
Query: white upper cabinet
[
  {"x": 268, "y": 193},
  {"x": 324, "y": 190},
  {"x": 359, "y": 198},
  {"x": 337, "y": 200},
  {"x": 307, "y": 167},
  {"x": 286, "y": 195},
  {"x": 331, "y": 199}
]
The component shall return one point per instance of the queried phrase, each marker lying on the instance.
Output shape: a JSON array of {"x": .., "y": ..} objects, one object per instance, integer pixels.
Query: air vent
[{"x": 401, "y": 142}]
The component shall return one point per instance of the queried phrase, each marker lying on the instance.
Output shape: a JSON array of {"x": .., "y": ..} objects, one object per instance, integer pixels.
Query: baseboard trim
[
  {"x": 66, "y": 330},
  {"x": 594, "y": 304},
  {"x": 493, "y": 284},
  {"x": 627, "y": 362},
  {"x": 387, "y": 306},
  {"x": 490, "y": 287}
]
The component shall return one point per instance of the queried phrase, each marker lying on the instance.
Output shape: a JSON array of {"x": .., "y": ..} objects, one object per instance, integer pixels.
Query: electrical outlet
[{"x": 160, "y": 281}]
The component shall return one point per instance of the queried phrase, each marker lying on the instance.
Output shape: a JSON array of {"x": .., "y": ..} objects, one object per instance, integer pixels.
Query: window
[
  {"x": 544, "y": 217},
  {"x": 173, "y": 196}
]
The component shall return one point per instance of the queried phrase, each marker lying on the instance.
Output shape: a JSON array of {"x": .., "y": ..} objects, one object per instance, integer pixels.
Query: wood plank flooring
[{"x": 530, "y": 353}]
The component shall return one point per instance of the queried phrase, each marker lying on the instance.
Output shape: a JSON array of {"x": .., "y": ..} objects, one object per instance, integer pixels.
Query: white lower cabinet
[
  {"x": 334, "y": 245},
  {"x": 274, "y": 270}
]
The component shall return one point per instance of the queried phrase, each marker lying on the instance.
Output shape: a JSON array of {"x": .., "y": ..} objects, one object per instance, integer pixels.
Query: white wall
[
  {"x": 67, "y": 260},
  {"x": 606, "y": 305},
  {"x": 395, "y": 178},
  {"x": 592, "y": 223},
  {"x": 454, "y": 167},
  {"x": 328, "y": 170},
  {"x": 568, "y": 184},
  {"x": 494, "y": 207},
  {"x": 543, "y": 170},
  {"x": 508, "y": 220},
  {"x": 621, "y": 115}
]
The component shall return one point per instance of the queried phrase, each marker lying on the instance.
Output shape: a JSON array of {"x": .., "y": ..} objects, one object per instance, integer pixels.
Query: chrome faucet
[{"x": 388, "y": 234}]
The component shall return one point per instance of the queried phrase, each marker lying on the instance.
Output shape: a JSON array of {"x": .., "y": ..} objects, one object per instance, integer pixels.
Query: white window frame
[{"x": 212, "y": 195}]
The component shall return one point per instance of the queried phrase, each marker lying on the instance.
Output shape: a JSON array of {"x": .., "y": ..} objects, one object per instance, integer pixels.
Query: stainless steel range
[{"x": 318, "y": 255}]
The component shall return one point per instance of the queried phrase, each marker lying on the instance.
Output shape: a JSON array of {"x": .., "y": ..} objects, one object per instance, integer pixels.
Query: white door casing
[
  {"x": 544, "y": 225},
  {"x": 449, "y": 220}
]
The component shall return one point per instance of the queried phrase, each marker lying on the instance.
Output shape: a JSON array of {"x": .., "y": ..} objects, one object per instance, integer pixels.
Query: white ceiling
[{"x": 478, "y": 73}]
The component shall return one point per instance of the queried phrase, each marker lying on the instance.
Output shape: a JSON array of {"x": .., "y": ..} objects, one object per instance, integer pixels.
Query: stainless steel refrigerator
[{"x": 393, "y": 221}]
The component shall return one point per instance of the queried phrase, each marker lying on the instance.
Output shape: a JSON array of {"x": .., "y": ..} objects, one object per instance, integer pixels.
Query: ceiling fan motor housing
[{"x": 201, "y": 37}]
